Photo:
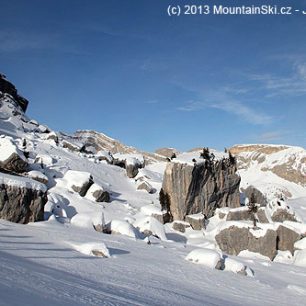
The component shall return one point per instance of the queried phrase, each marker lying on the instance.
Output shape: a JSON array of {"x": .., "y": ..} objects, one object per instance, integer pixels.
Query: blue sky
[{"x": 127, "y": 69}]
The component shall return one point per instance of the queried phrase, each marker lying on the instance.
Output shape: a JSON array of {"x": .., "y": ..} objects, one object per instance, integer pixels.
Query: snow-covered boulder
[
  {"x": 207, "y": 257},
  {"x": 98, "y": 249},
  {"x": 52, "y": 136},
  {"x": 71, "y": 146},
  {"x": 283, "y": 257},
  {"x": 280, "y": 211},
  {"x": 151, "y": 226},
  {"x": 196, "y": 221},
  {"x": 123, "y": 228},
  {"x": 97, "y": 193},
  {"x": 180, "y": 226},
  {"x": 38, "y": 176},
  {"x": 236, "y": 266},
  {"x": 78, "y": 181},
  {"x": 11, "y": 158},
  {"x": 146, "y": 186},
  {"x": 22, "y": 200},
  {"x": 131, "y": 163},
  {"x": 104, "y": 156},
  {"x": 44, "y": 160}
]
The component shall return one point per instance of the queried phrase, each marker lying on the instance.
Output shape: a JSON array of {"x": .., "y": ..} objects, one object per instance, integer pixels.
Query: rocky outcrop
[
  {"x": 258, "y": 196},
  {"x": 167, "y": 152},
  {"x": 21, "y": 200},
  {"x": 281, "y": 215},
  {"x": 234, "y": 239},
  {"x": 200, "y": 188},
  {"x": 239, "y": 214},
  {"x": 286, "y": 238},
  {"x": 9, "y": 88},
  {"x": 267, "y": 242}
]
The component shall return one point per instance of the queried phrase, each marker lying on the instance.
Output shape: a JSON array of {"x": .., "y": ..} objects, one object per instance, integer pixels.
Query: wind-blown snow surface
[{"x": 40, "y": 266}]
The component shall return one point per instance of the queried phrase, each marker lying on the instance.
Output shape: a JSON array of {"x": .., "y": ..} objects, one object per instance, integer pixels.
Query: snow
[
  {"x": 149, "y": 210},
  {"x": 300, "y": 258},
  {"x": 21, "y": 182},
  {"x": 8, "y": 148},
  {"x": 123, "y": 228},
  {"x": 89, "y": 247},
  {"x": 234, "y": 265},
  {"x": 206, "y": 257},
  {"x": 34, "y": 174},
  {"x": 152, "y": 225},
  {"x": 300, "y": 244},
  {"x": 283, "y": 257}
]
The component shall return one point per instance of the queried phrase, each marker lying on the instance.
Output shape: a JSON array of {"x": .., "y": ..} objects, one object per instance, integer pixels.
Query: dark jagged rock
[
  {"x": 23, "y": 200},
  {"x": 200, "y": 188},
  {"x": 9, "y": 88}
]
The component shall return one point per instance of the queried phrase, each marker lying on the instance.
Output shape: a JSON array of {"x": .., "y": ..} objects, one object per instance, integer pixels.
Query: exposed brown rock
[{"x": 200, "y": 188}]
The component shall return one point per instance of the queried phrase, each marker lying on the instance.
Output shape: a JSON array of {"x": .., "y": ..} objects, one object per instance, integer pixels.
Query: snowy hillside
[{"x": 103, "y": 241}]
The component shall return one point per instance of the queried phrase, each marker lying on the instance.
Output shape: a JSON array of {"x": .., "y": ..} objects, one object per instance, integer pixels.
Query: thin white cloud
[
  {"x": 243, "y": 111},
  {"x": 239, "y": 109}
]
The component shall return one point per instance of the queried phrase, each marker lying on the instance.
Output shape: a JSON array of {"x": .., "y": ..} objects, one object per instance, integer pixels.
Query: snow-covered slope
[{"x": 273, "y": 169}]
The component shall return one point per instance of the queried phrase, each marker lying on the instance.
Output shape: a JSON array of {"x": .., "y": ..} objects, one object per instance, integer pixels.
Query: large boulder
[
  {"x": 22, "y": 200},
  {"x": 258, "y": 196},
  {"x": 78, "y": 181},
  {"x": 130, "y": 163},
  {"x": 280, "y": 211},
  {"x": 196, "y": 221},
  {"x": 200, "y": 188},
  {"x": 234, "y": 239},
  {"x": 97, "y": 193},
  {"x": 286, "y": 238},
  {"x": 11, "y": 158},
  {"x": 239, "y": 214}
]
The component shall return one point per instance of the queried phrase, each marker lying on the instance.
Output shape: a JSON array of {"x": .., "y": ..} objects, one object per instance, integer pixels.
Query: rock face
[
  {"x": 281, "y": 215},
  {"x": 9, "y": 88},
  {"x": 167, "y": 152},
  {"x": 20, "y": 199},
  {"x": 286, "y": 238},
  {"x": 234, "y": 239},
  {"x": 258, "y": 195},
  {"x": 200, "y": 188}
]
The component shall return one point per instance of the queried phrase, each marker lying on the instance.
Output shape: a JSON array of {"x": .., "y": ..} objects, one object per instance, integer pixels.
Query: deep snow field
[{"x": 52, "y": 262}]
